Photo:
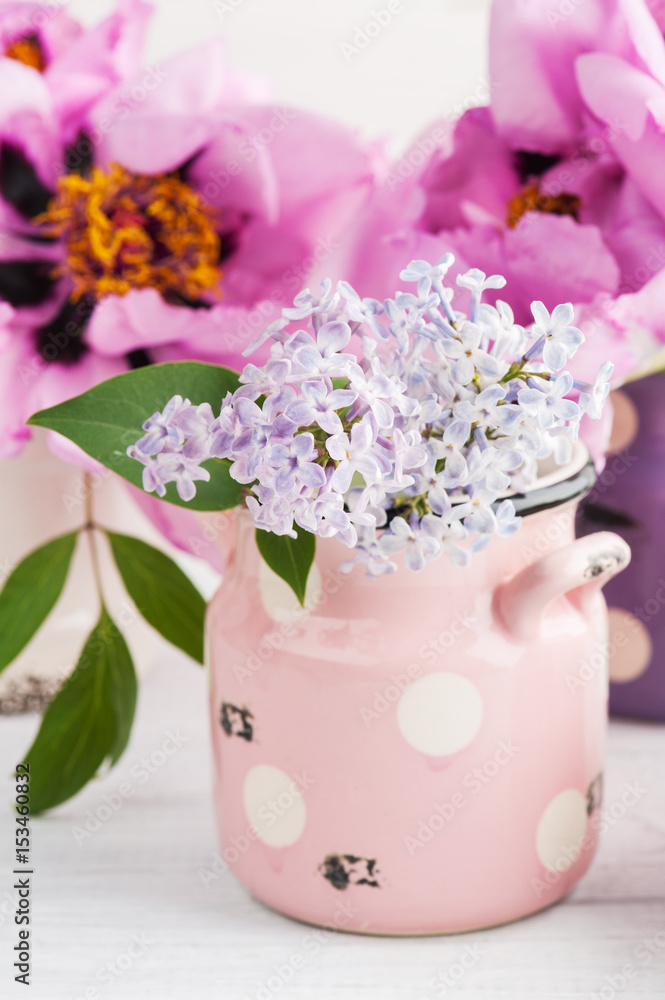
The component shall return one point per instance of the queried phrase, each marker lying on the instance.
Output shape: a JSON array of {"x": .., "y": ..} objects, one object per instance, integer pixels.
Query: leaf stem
[{"x": 90, "y": 527}]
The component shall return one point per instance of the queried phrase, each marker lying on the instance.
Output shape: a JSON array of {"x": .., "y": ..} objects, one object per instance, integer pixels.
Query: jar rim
[{"x": 566, "y": 483}]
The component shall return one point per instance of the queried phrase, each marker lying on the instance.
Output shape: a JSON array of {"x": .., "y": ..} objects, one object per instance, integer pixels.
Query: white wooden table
[{"x": 136, "y": 878}]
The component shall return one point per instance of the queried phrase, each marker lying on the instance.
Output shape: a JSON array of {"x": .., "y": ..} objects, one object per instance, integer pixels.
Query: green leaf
[
  {"x": 30, "y": 592},
  {"x": 166, "y": 598},
  {"x": 124, "y": 689},
  {"x": 88, "y": 721},
  {"x": 290, "y": 558},
  {"x": 110, "y": 416}
]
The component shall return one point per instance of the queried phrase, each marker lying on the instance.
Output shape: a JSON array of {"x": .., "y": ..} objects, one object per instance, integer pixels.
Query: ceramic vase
[{"x": 422, "y": 753}]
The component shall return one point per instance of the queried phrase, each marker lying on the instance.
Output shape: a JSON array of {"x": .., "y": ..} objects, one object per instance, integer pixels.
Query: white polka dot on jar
[
  {"x": 279, "y": 601},
  {"x": 440, "y": 714},
  {"x": 561, "y": 830},
  {"x": 631, "y": 648},
  {"x": 274, "y": 805}
]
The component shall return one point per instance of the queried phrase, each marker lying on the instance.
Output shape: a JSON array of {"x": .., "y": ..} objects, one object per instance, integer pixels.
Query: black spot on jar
[
  {"x": 343, "y": 870},
  {"x": 235, "y": 721},
  {"x": 594, "y": 794}
]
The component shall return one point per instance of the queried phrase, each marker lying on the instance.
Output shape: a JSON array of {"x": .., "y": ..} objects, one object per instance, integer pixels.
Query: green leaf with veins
[
  {"x": 88, "y": 721},
  {"x": 108, "y": 418},
  {"x": 290, "y": 558}
]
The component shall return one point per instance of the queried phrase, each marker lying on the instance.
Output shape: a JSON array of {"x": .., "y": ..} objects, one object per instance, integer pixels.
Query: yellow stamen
[
  {"x": 531, "y": 199},
  {"x": 28, "y": 50},
  {"x": 123, "y": 231}
]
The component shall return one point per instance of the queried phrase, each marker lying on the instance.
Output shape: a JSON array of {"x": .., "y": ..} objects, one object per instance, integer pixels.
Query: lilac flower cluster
[{"x": 396, "y": 426}]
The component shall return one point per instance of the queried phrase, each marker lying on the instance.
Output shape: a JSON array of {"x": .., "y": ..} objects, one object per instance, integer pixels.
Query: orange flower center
[
  {"x": 532, "y": 199},
  {"x": 123, "y": 231},
  {"x": 28, "y": 50}
]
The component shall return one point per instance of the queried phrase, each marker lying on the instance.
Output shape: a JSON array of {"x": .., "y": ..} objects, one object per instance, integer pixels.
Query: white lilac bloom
[
  {"x": 507, "y": 336},
  {"x": 398, "y": 427},
  {"x": 469, "y": 357},
  {"x": 168, "y": 468},
  {"x": 305, "y": 304},
  {"x": 295, "y": 466},
  {"x": 419, "y": 545},
  {"x": 317, "y": 404},
  {"x": 430, "y": 276},
  {"x": 162, "y": 430},
  {"x": 546, "y": 400},
  {"x": 592, "y": 397},
  {"x": 355, "y": 453},
  {"x": 383, "y": 394},
  {"x": 362, "y": 310},
  {"x": 557, "y": 339},
  {"x": 324, "y": 357},
  {"x": 477, "y": 282},
  {"x": 198, "y": 424},
  {"x": 450, "y": 534}
]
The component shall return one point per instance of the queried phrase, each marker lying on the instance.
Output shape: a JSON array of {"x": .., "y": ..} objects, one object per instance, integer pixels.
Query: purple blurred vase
[{"x": 629, "y": 498}]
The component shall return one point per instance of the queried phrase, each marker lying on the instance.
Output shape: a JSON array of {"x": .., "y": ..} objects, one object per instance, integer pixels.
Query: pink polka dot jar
[{"x": 415, "y": 754}]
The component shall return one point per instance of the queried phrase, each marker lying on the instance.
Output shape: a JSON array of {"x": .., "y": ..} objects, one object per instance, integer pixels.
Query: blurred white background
[{"x": 429, "y": 59}]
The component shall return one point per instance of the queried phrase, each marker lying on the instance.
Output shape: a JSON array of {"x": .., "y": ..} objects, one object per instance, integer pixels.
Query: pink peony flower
[
  {"x": 151, "y": 215},
  {"x": 485, "y": 202},
  {"x": 77, "y": 66},
  {"x": 557, "y": 184},
  {"x": 536, "y": 49},
  {"x": 173, "y": 228},
  {"x": 51, "y": 72},
  {"x": 588, "y": 88}
]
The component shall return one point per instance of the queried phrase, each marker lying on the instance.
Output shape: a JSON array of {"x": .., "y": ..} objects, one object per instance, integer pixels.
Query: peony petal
[
  {"x": 96, "y": 61},
  {"x": 182, "y": 101},
  {"x": 235, "y": 173},
  {"x": 142, "y": 319},
  {"x": 615, "y": 91}
]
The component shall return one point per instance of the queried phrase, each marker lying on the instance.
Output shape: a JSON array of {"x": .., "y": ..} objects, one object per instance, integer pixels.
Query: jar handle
[{"x": 580, "y": 570}]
